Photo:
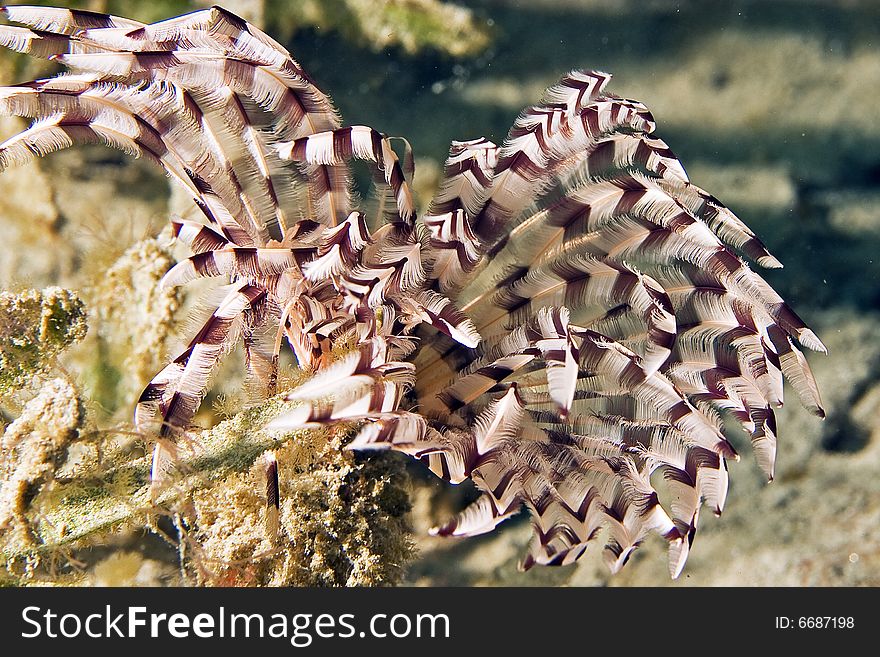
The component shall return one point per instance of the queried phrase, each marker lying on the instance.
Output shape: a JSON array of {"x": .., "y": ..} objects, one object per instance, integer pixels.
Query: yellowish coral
[
  {"x": 128, "y": 569},
  {"x": 343, "y": 520},
  {"x": 99, "y": 497},
  {"x": 137, "y": 318},
  {"x": 35, "y": 326},
  {"x": 342, "y": 523},
  {"x": 30, "y": 451}
]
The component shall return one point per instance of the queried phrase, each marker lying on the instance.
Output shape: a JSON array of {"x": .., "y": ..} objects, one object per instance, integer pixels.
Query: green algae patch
[
  {"x": 84, "y": 508},
  {"x": 35, "y": 327},
  {"x": 99, "y": 497},
  {"x": 343, "y": 520},
  {"x": 412, "y": 25}
]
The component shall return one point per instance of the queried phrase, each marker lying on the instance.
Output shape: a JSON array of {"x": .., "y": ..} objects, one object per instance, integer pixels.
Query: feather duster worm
[{"x": 567, "y": 324}]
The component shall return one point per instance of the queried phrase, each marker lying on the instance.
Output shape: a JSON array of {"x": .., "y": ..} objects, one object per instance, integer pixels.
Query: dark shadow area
[
  {"x": 842, "y": 435},
  {"x": 824, "y": 267}
]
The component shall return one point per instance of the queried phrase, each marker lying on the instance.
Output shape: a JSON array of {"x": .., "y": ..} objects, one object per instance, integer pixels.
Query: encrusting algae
[
  {"x": 343, "y": 519},
  {"x": 35, "y": 327},
  {"x": 31, "y": 450},
  {"x": 342, "y": 523}
]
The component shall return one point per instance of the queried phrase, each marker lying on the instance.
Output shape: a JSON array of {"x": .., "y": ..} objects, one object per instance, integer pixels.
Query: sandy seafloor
[{"x": 772, "y": 105}]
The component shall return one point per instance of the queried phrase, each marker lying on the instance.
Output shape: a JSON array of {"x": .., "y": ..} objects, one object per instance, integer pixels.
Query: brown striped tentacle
[
  {"x": 455, "y": 250},
  {"x": 198, "y": 237},
  {"x": 541, "y": 140},
  {"x": 221, "y": 61},
  {"x": 239, "y": 261},
  {"x": 151, "y": 121},
  {"x": 273, "y": 496},
  {"x": 355, "y": 142},
  {"x": 479, "y": 517},
  {"x": 65, "y": 21},
  {"x": 171, "y": 399}
]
